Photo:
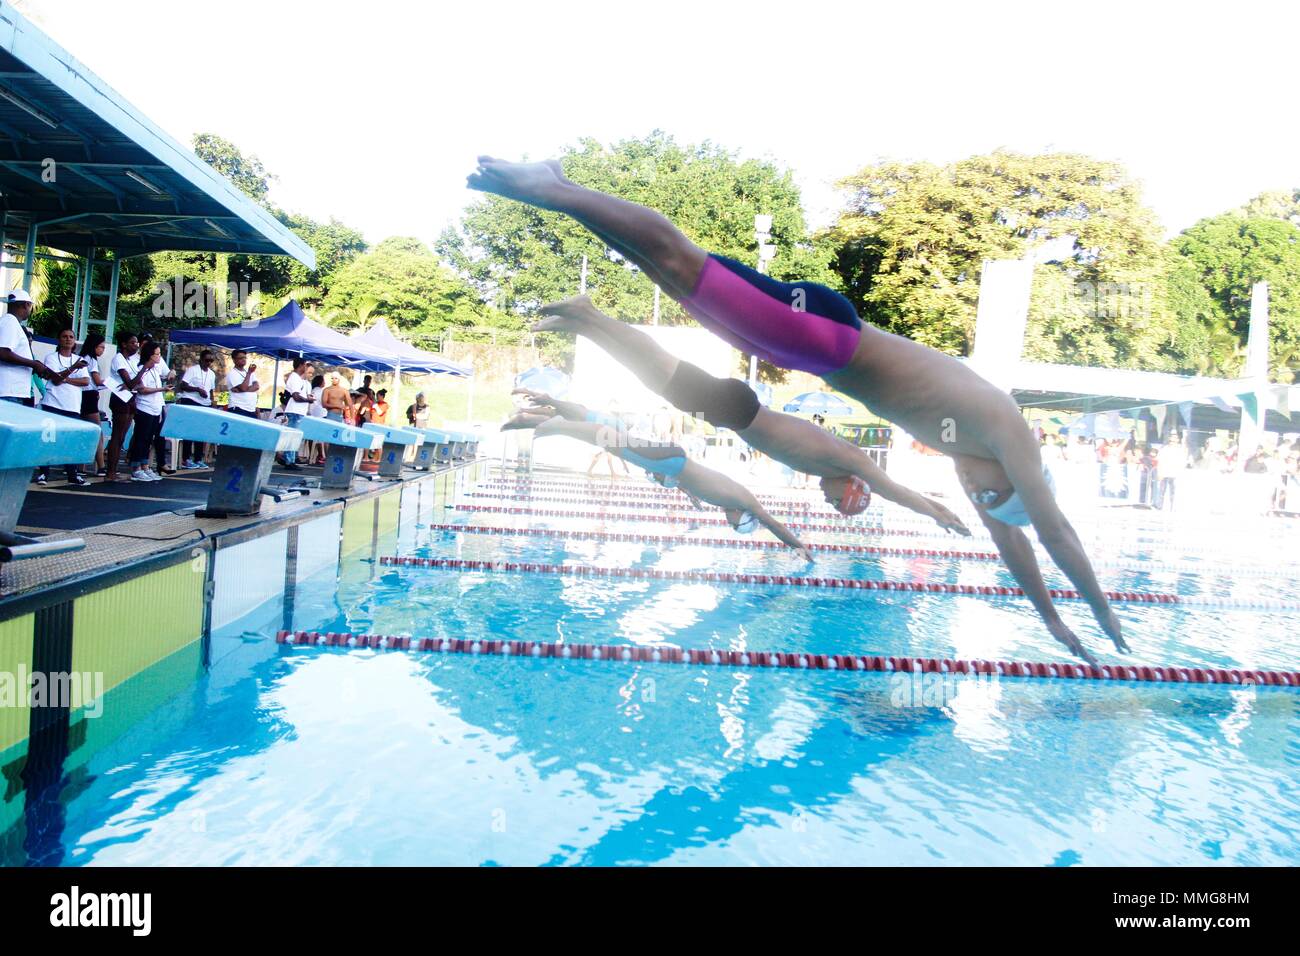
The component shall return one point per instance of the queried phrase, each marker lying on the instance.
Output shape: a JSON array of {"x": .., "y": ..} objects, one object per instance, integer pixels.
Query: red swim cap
[{"x": 856, "y": 497}]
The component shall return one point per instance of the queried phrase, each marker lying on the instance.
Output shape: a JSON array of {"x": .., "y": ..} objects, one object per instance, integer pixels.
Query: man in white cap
[{"x": 16, "y": 360}]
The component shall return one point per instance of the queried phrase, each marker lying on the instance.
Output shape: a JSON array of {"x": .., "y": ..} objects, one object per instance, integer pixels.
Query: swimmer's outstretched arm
[
  {"x": 717, "y": 489},
  {"x": 1020, "y": 458},
  {"x": 839, "y": 457},
  {"x": 1018, "y": 554}
]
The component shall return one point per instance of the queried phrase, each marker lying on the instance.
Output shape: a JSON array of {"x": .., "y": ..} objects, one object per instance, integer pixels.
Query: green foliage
[
  {"x": 911, "y": 242},
  {"x": 403, "y": 281},
  {"x": 246, "y": 172},
  {"x": 1225, "y": 255}
]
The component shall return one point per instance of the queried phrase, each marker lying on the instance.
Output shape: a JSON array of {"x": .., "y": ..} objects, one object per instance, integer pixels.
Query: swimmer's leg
[
  {"x": 795, "y": 325},
  {"x": 644, "y": 236},
  {"x": 648, "y": 360}
]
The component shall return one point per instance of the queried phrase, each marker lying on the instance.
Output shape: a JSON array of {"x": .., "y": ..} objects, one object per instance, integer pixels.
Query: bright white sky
[{"x": 374, "y": 111}]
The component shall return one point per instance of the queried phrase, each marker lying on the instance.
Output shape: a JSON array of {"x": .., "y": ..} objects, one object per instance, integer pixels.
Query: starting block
[
  {"x": 31, "y": 438},
  {"x": 435, "y": 450},
  {"x": 344, "y": 445},
  {"x": 245, "y": 455},
  {"x": 395, "y": 442}
]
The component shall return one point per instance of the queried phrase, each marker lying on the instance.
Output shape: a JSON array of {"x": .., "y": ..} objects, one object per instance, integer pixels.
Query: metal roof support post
[
  {"x": 29, "y": 258},
  {"x": 110, "y": 317},
  {"x": 86, "y": 286},
  {"x": 77, "y": 326}
]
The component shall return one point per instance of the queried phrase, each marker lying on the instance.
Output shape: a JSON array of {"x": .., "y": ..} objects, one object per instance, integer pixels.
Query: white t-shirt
[
  {"x": 15, "y": 380},
  {"x": 195, "y": 376},
  {"x": 317, "y": 410},
  {"x": 152, "y": 404},
  {"x": 66, "y": 397},
  {"x": 121, "y": 364},
  {"x": 295, "y": 385},
  {"x": 92, "y": 365},
  {"x": 243, "y": 400}
]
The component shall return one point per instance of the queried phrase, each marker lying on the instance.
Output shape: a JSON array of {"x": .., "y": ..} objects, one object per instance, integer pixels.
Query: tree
[
  {"x": 519, "y": 257},
  {"x": 912, "y": 239},
  {"x": 404, "y": 282},
  {"x": 1226, "y": 255},
  {"x": 246, "y": 172}
]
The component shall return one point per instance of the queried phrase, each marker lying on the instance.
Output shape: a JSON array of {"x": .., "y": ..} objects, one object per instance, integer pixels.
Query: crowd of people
[
  {"x": 1148, "y": 472},
  {"x": 71, "y": 382}
]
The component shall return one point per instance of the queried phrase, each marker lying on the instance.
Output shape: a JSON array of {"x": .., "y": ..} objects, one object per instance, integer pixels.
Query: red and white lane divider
[
  {"x": 799, "y": 581},
  {"x": 898, "y": 520},
  {"x": 589, "y": 492},
  {"x": 660, "y": 503},
  {"x": 791, "y": 660},
  {"x": 762, "y": 544},
  {"x": 756, "y": 544},
  {"x": 694, "y": 517}
]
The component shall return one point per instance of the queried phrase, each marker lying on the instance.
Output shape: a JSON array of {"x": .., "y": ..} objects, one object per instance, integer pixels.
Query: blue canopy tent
[
  {"x": 287, "y": 333},
  {"x": 404, "y": 357}
]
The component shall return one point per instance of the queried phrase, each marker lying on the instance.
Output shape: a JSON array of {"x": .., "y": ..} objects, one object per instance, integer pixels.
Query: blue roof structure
[{"x": 120, "y": 183}]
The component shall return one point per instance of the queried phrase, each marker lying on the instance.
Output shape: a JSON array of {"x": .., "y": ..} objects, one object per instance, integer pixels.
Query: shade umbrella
[
  {"x": 819, "y": 403},
  {"x": 545, "y": 379}
]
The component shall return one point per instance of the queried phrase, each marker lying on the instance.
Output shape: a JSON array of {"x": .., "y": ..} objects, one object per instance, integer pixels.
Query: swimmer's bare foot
[
  {"x": 1068, "y": 638},
  {"x": 534, "y": 183}
]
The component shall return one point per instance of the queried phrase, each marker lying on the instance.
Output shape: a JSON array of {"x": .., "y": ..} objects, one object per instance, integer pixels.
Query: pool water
[{"x": 310, "y": 755}]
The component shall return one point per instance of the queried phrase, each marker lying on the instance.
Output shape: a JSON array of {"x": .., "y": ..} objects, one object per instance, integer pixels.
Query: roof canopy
[
  {"x": 288, "y": 332},
  {"x": 410, "y": 359},
  {"x": 116, "y": 181}
]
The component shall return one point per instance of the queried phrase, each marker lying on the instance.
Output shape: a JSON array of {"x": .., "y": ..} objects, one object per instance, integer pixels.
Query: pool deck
[{"x": 125, "y": 523}]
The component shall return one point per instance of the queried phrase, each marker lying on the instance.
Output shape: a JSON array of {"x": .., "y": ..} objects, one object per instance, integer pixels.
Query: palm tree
[{"x": 360, "y": 315}]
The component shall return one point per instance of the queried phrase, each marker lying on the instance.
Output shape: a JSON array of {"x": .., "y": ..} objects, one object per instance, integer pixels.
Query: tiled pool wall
[{"x": 153, "y": 620}]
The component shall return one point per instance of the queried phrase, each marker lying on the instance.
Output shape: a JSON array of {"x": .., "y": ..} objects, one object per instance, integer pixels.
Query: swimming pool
[{"x": 288, "y": 754}]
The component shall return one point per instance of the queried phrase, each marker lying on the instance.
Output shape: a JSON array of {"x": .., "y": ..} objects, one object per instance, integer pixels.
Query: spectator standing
[
  {"x": 17, "y": 364},
  {"x": 1170, "y": 463},
  {"x": 336, "y": 401},
  {"x": 151, "y": 384},
  {"x": 242, "y": 385},
  {"x": 417, "y": 413},
  {"x": 93, "y": 352},
  {"x": 297, "y": 403},
  {"x": 123, "y": 376},
  {"x": 196, "y": 387},
  {"x": 63, "y": 394},
  {"x": 379, "y": 411}
]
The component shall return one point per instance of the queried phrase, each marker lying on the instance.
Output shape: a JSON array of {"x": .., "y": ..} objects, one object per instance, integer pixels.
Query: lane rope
[
  {"x": 650, "y": 538},
  {"x": 792, "y": 660},
  {"x": 694, "y": 518},
  {"x": 653, "y": 493},
  {"x": 842, "y": 525},
  {"x": 793, "y": 580}
]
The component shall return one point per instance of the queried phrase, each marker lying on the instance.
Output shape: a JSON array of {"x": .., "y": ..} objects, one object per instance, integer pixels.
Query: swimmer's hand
[
  {"x": 807, "y": 555},
  {"x": 533, "y": 183},
  {"x": 947, "y": 519},
  {"x": 1110, "y": 624},
  {"x": 540, "y": 398},
  {"x": 1068, "y": 638}
]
